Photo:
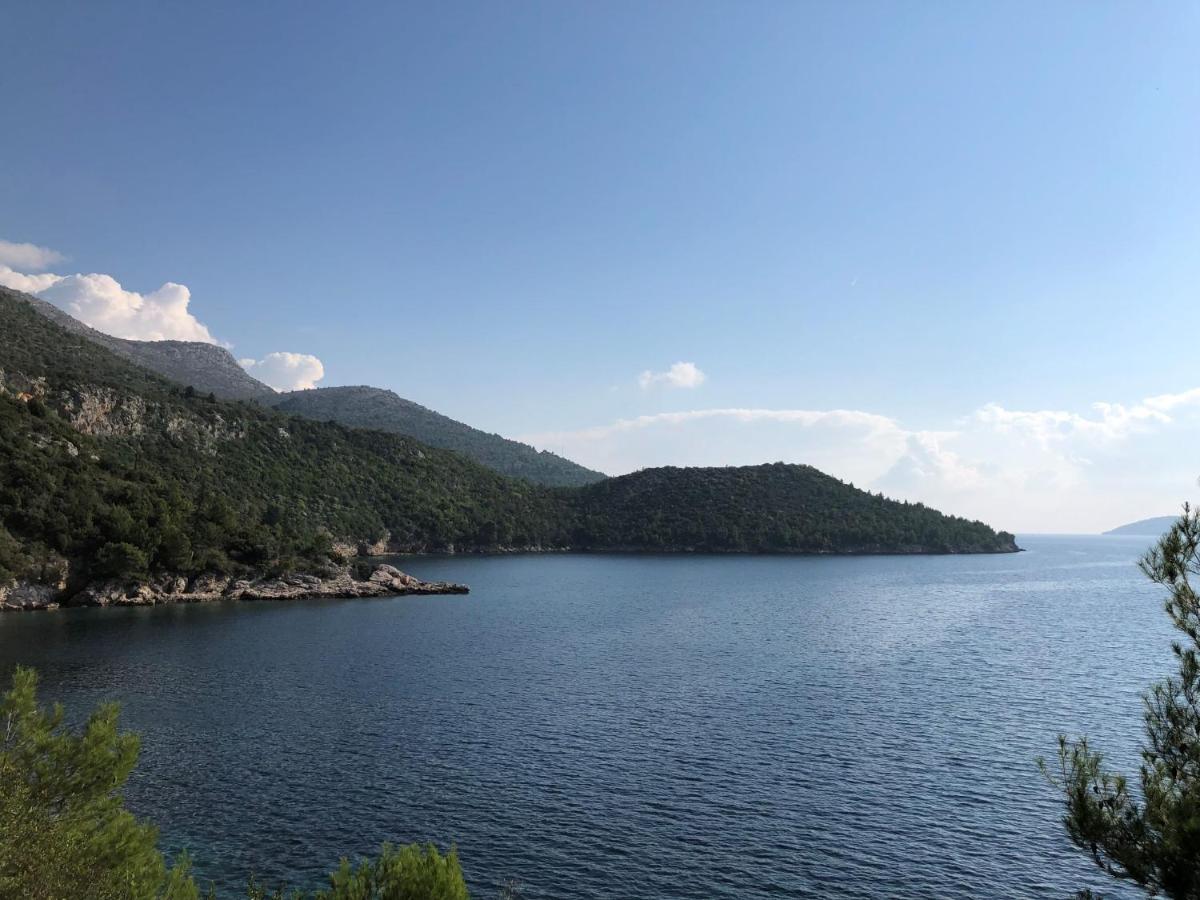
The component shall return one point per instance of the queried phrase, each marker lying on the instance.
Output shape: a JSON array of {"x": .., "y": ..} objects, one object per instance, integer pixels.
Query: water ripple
[{"x": 634, "y": 727}]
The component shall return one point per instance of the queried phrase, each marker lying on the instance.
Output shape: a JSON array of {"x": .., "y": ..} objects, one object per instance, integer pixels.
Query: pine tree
[
  {"x": 64, "y": 829},
  {"x": 1150, "y": 838}
]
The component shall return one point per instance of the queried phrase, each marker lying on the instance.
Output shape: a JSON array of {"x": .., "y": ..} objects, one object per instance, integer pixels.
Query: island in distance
[{"x": 1152, "y": 527}]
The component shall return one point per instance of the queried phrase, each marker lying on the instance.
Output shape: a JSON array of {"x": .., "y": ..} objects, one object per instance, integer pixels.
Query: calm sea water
[{"x": 637, "y": 727}]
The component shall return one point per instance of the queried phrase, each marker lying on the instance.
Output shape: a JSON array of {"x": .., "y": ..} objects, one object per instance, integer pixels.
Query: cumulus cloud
[
  {"x": 1111, "y": 421},
  {"x": 286, "y": 371},
  {"x": 28, "y": 256},
  {"x": 30, "y": 284},
  {"x": 927, "y": 461},
  {"x": 101, "y": 302},
  {"x": 680, "y": 375}
]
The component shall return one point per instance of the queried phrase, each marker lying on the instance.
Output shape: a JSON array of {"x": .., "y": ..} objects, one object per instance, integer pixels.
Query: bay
[{"x": 637, "y": 726}]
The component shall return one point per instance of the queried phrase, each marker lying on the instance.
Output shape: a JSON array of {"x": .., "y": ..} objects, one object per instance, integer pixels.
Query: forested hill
[
  {"x": 767, "y": 509},
  {"x": 370, "y": 407},
  {"x": 206, "y": 367},
  {"x": 211, "y": 369},
  {"x": 119, "y": 472}
]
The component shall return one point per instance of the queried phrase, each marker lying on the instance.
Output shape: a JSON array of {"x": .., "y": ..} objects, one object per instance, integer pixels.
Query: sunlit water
[{"x": 637, "y": 727}]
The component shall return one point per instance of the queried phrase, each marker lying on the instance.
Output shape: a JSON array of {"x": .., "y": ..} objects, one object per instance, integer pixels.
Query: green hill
[
  {"x": 113, "y": 467},
  {"x": 115, "y": 470},
  {"x": 370, "y": 407},
  {"x": 766, "y": 509}
]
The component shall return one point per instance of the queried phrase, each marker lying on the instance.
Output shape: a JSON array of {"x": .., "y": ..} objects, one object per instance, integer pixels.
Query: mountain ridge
[
  {"x": 209, "y": 368},
  {"x": 364, "y": 406}
]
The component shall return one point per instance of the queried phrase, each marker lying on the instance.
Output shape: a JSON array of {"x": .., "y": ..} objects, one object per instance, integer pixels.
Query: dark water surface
[{"x": 637, "y": 727}]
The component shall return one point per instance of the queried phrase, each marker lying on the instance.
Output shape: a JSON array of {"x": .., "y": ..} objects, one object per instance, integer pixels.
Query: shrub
[
  {"x": 121, "y": 560},
  {"x": 399, "y": 873}
]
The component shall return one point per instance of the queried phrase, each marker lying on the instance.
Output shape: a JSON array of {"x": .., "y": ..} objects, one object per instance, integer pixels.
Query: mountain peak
[{"x": 208, "y": 368}]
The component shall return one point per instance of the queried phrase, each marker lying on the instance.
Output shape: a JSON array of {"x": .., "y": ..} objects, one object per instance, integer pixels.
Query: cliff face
[{"x": 103, "y": 412}]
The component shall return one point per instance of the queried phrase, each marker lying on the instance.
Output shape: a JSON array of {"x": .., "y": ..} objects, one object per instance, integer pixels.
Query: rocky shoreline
[{"x": 384, "y": 581}]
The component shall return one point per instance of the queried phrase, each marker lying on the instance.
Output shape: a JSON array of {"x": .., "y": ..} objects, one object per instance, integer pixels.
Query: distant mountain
[
  {"x": 382, "y": 410},
  {"x": 1154, "y": 527},
  {"x": 206, "y": 367},
  {"x": 212, "y": 369}
]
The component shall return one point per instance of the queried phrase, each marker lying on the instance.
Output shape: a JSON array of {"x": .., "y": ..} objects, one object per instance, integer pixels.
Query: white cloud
[
  {"x": 848, "y": 443},
  {"x": 286, "y": 371},
  {"x": 30, "y": 284},
  {"x": 926, "y": 462},
  {"x": 1035, "y": 470},
  {"x": 804, "y": 417},
  {"x": 680, "y": 375},
  {"x": 101, "y": 302},
  {"x": 1112, "y": 421},
  {"x": 28, "y": 256}
]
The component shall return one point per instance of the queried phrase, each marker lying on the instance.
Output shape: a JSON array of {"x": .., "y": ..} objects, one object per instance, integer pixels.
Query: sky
[{"x": 944, "y": 251}]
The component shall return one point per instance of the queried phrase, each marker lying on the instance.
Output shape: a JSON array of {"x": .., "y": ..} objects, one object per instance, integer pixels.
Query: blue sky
[{"x": 921, "y": 213}]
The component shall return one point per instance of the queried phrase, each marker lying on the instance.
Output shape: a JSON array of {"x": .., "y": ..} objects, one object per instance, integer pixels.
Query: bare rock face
[
  {"x": 376, "y": 548},
  {"x": 343, "y": 551},
  {"x": 44, "y": 593},
  {"x": 24, "y": 595},
  {"x": 384, "y": 581}
]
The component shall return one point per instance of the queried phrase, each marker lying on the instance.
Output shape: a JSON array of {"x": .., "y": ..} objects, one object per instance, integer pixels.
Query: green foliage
[
  {"x": 64, "y": 830},
  {"x": 121, "y": 560},
  {"x": 14, "y": 560},
  {"x": 375, "y": 408},
  {"x": 765, "y": 509},
  {"x": 1150, "y": 838},
  {"x": 399, "y": 873}
]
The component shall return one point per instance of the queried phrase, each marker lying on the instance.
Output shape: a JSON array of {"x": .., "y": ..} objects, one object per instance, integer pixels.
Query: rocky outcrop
[
  {"x": 380, "y": 547},
  {"x": 24, "y": 595},
  {"x": 384, "y": 581},
  {"x": 104, "y": 413}
]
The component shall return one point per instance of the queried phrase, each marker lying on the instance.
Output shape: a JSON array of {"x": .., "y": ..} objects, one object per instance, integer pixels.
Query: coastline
[{"x": 384, "y": 581}]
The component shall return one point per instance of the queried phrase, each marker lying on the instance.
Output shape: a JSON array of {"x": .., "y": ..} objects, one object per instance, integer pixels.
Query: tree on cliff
[{"x": 1150, "y": 838}]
